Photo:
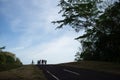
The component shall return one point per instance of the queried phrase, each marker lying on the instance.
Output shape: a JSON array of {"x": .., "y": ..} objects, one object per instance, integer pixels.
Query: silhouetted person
[
  {"x": 32, "y": 62},
  {"x": 45, "y": 62},
  {"x": 42, "y": 62},
  {"x": 38, "y": 62}
]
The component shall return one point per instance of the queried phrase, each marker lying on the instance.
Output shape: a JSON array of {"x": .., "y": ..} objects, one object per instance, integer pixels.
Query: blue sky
[{"x": 27, "y": 31}]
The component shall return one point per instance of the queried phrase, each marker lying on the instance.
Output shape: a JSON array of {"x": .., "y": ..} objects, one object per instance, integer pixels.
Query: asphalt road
[{"x": 54, "y": 72}]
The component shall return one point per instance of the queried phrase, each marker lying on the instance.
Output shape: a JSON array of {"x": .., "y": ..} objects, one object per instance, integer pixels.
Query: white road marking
[
  {"x": 72, "y": 72},
  {"x": 53, "y": 75}
]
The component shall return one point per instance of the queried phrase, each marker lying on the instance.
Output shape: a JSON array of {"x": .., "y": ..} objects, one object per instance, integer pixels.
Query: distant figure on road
[
  {"x": 38, "y": 62},
  {"x": 45, "y": 61},
  {"x": 42, "y": 62},
  {"x": 32, "y": 62}
]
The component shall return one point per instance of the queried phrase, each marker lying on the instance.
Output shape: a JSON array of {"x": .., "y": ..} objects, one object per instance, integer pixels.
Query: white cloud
[
  {"x": 37, "y": 37},
  {"x": 17, "y": 48},
  {"x": 58, "y": 50}
]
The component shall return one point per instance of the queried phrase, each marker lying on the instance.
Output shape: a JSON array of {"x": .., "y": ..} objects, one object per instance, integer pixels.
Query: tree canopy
[{"x": 101, "y": 40}]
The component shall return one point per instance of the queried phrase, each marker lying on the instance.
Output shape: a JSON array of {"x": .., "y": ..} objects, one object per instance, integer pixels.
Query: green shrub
[{"x": 9, "y": 61}]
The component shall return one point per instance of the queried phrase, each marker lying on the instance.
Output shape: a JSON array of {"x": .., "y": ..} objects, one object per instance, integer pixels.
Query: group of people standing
[{"x": 42, "y": 62}]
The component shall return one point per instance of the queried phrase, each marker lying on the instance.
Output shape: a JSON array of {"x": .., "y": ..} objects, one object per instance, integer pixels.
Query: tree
[
  {"x": 1, "y": 48},
  {"x": 78, "y": 13},
  {"x": 77, "y": 55},
  {"x": 104, "y": 43},
  {"x": 108, "y": 43},
  {"x": 81, "y": 14},
  {"x": 101, "y": 39},
  {"x": 2, "y": 58},
  {"x": 18, "y": 62},
  {"x": 9, "y": 58}
]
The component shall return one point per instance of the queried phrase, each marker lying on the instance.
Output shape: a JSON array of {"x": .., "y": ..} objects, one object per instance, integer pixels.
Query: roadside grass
[
  {"x": 95, "y": 65},
  {"x": 5, "y": 67},
  {"x": 26, "y": 72}
]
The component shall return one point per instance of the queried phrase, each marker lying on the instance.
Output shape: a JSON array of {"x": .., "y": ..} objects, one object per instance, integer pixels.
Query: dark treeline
[{"x": 101, "y": 40}]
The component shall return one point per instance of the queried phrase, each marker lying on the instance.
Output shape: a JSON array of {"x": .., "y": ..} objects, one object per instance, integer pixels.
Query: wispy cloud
[
  {"x": 58, "y": 50},
  {"x": 37, "y": 37}
]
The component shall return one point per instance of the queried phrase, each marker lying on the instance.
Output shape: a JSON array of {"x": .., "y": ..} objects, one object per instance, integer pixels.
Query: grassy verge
[
  {"x": 98, "y": 66},
  {"x": 5, "y": 67},
  {"x": 26, "y": 72}
]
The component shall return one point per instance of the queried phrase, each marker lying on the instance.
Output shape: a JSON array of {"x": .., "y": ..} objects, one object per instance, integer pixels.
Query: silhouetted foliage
[
  {"x": 9, "y": 58},
  {"x": 108, "y": 42},
  {"x": 18, "y": 61},
  {"x": 1, "y": 48},
  {"x": 101, "y": 40},
  {"x": 8, "y": 61}
]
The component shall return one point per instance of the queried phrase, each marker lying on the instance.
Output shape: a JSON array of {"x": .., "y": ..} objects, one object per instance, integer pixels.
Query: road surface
[{"x": 55, "y": 72}]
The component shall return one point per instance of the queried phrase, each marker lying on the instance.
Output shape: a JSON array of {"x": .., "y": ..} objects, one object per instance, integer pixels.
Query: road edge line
[
  {"x": 53, "y": 75},
  {"x": 71, "y": 71}
]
